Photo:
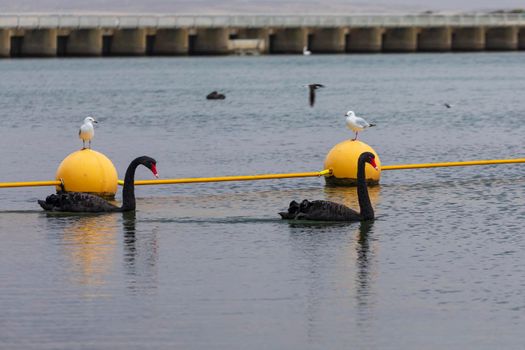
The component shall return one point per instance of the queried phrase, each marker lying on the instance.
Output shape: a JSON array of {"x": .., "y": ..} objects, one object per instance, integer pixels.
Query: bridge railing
[{"x": 258, "y": 21}]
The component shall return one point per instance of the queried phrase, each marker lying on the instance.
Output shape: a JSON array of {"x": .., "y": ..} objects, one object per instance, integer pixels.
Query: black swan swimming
[
  {"x": 320, "y": 210},
  {"x": 214, "y": 95},
  {"x": 89, "y": 203}
]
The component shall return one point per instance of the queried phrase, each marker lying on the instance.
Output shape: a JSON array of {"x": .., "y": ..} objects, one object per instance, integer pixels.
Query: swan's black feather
[
  {"x": 77, "y": 202},
  {"x": 320, "y": 210}
]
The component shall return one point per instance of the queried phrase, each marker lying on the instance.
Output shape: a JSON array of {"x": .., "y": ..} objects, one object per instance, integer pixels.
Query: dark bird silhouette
[
  {"x": 214, "y": 95},
  {"x": 447, "y": 105},
  {"x": 320, "y": 210},
  {"x": 312, "y": 88},
  {"x": 89, "y": 203}
]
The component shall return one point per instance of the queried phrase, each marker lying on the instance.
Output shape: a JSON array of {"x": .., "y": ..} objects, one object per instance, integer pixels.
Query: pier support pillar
[
  {"x": 501, "y": 38},
  {"x": 40, "y": 43},
  {"x": 364, "y": 40},
  {"x": 468, "y": 39},
  {"x": 171, "y": 42},
  {"x": 289, "y": 40},
  {"x": 129, "y": 42},
  {"x": 212, "y": 41},
  {"x": 261, "y": 34},
  {"x": 521, "y": 39},
  {"x": 84, "y": 42},
  {"x": 5, "y": 43},
  {"x": 435, "y": 39},
  {"x": 328, "y": 40},
  {"x": 400, "y": 40}
]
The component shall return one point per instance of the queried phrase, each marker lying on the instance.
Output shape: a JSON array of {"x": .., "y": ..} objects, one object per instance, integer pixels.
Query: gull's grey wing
[{"x": 361, "y": 122}]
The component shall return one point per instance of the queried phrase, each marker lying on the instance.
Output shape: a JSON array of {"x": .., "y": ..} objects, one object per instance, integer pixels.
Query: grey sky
[{"x": 255, "y": 6}]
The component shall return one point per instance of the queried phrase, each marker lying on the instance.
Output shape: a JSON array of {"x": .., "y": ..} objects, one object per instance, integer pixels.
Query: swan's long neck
[
  {"x": 128, "y": 192},
  {"x": 367, "y": 212}
]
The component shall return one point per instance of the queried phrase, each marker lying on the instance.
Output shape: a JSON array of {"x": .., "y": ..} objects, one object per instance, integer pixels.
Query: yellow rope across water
[
  {"x": 229, "y": 178},
  {"x": 30, "y": 184},
  {"x": 449, "y": 164},
  {"x": 326, "y": 172}
]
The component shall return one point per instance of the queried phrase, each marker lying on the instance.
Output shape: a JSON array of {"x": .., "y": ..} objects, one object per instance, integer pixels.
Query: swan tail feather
[{"x": 45, "y": 205}]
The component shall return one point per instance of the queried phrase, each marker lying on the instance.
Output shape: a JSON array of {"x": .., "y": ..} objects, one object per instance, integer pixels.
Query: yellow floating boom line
[
  {"x": 30, "y": 184},
  {"x": 229, "y": 178},
  {"x": 326, "y": 172},
  {"x": 450, "y": 164}
]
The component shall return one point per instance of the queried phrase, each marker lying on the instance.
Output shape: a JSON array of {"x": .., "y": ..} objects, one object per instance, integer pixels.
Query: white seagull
[
  {"x": 87, "y": 131},
  {"x": 356, "y": 124},
  {"x": 306, "y": 52}
]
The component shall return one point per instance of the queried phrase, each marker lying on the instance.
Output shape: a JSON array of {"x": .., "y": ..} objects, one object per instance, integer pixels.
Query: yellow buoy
[
  {"x": 88, "y": 171},
  {"x": 342, "y": 159}
]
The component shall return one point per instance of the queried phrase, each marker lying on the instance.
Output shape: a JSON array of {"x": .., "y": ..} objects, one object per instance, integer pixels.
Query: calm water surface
[{"x": 211, "y": 266}]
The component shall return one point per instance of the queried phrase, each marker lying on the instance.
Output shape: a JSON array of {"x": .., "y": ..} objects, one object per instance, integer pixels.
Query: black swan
[
  {"x": 214, "y": 95},
  {"x": 320, "y": 210},
  {"x": 89, "y": 203}
]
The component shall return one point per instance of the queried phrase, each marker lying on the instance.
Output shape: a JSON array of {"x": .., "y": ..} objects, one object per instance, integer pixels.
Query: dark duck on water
[
  {"x": 88, "y": 203},
  {"x": 320, "y": 210},
  {"x": 214, "y": 95}
]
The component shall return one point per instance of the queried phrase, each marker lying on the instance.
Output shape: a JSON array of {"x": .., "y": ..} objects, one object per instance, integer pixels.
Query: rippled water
[{"x": 211, "y": 266}]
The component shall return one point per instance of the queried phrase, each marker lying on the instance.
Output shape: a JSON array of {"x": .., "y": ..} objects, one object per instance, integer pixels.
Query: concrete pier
[
  {"x": 132, "y": 35},
  {"x": 435, "y": 39},
  {"x": 328, "y": 40},
  {"x": 468, "y": 39},
  {"x": 501, "y": 38},
  {"x": 212, "y": 41},
  {"x": 289, "y": 40},
  {"x": 5, "y": 43},
  {"x": 40, "y": 43},
  {"x": 400, "y": 40},
  {"x": 364, "y": 40},
  {"x": 171, "y": 42},
  {"x": 128, "y": 42},
  {"x": 84, "y": 42}
]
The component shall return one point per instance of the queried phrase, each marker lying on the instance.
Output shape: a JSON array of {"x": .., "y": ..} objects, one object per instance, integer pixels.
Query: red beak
[
  {"x": 373, "y": 163},
  {"x": 154, "y": 170}
]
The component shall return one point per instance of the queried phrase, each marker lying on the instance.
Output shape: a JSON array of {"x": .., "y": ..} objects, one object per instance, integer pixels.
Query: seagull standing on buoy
[
  {"x": 87, "y": 131},
  {"x": 312, "y": 88},
  {"x": 356, "y": 124}
]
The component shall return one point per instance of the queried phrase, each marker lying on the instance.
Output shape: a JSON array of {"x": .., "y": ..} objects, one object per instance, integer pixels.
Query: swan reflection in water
[
  {"x": 140, "y": 255},
  {"x": 364, "y": 250},
  {"x": 340, "y": 258},
  {"x": 91, "y": 242},
  {"x": 364, "y": 273}
]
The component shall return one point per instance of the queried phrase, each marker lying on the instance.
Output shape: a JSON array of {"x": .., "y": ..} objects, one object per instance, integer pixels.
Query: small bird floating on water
[
  {"x": 306, "y": 52},
  {"x": 87, "y": 131},
  {"x": 214, "y": 95},
  {"x": 312, "y": 88},
  {"x": 448, "y": 105},
  {"x": 356, "y": 124}
]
